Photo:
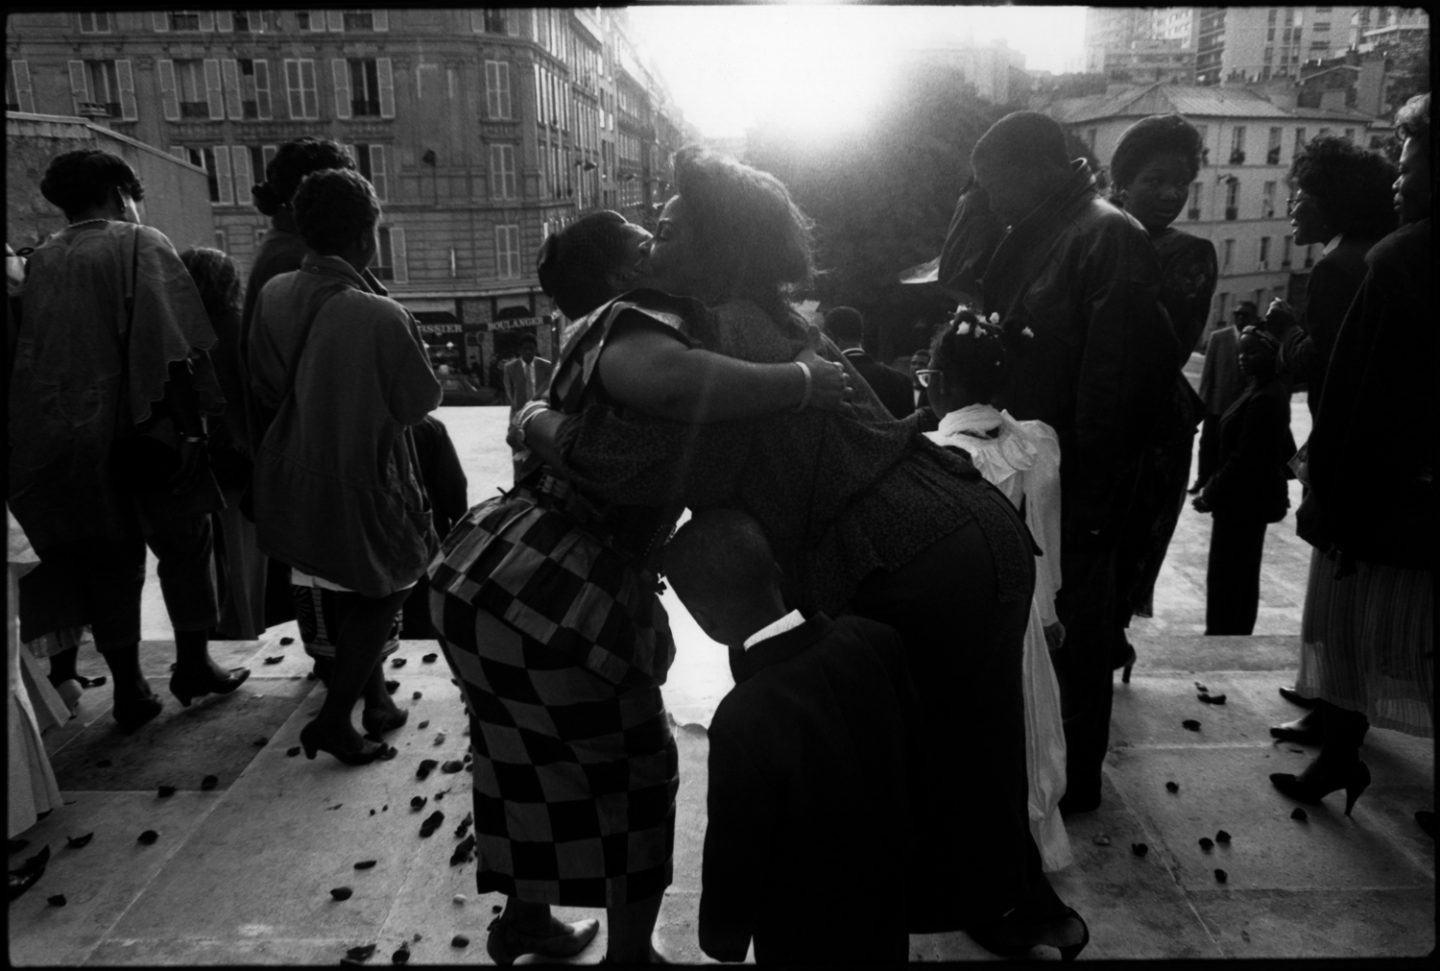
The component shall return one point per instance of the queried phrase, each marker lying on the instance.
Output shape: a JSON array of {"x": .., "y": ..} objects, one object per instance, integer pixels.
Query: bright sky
[{"x": 729, "y": 65}]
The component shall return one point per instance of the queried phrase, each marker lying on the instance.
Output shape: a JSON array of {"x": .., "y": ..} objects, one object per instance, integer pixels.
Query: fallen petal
[
  {"x": 148, "y": 837},
  {"x": 392, "y": 686},
  {"x": 1213, "y": 699},
  {"x": 209, "y": 782},
  {"x": 275, "y": 660},
  {"x": 459, "y": 940},
  {"x": 76, "y": 842},
  {"x": 417, "y": 802},
  {"x": 57, "y": 900},
  {"x": 165, "y": 792},
  {"x": 293, "y": 751},
  {"x": 416, "y": 696},
  {"x": 1207, "y": 844},
  {"x": 364, "y": 864},
  {"x": 361, "y": 952},
  {"x": 260, "y": 742},
  {"x": 1139, "y": 849},
  {"x": 1190, "y": 725},
  {"x": 397, "y": 662},
  {"x": 1300, "y": 814},
  {"x": 287, "y": 640},
  {"x": 429, "y": 658},
  {"x": 1172, "y": 787},
  {"x": 1222, "y": 837},
  {"x": 1101, "y": 840},
  {"x": 342, "y": 893},
  {"x": 426, "y": 766},
  {"x": 401, "y": 956},
  {"x": 424, "y": 724},
  {"x": 452, "y": 765},
  {"x": 459, "y": 898},
  {"x": 1221, "y": 876}
]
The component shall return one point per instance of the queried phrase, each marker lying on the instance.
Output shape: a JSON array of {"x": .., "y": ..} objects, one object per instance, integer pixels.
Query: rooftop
[{"x": 1191, "y": 101}]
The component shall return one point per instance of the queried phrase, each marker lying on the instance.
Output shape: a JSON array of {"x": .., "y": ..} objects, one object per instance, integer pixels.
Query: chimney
[{"x": 1332, "y": 100}]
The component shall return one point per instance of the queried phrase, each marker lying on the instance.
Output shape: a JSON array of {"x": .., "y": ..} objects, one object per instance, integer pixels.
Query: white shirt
[{"x": 790, "y": 621}]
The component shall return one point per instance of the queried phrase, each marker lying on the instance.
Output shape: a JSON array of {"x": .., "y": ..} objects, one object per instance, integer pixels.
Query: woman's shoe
[
  {"x": 364, "y": 755},
  {"x": 1304, "y": 730},
  {"x": 378, "y": 721},
  {"x": 1296, "y": 698},
  {"x": 131, "y": 713},
  {"x": 1014, "y": 934},
  {"x": 505, "y": 941},
  {"x": 187, "y": 688},
  {"x": 1319, "y": 780}
]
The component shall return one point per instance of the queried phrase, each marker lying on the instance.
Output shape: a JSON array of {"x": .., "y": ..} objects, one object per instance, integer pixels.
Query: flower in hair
[
  {"x": 963, "y": 330},
  {"x": 1026, "y": 332},
  {"x": 995, "y": 319}
]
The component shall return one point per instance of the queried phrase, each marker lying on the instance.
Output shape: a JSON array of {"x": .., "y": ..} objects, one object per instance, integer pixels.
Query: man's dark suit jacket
[
  {"x": 808, "y": 805},
  {"x": 890, "y": 386}
]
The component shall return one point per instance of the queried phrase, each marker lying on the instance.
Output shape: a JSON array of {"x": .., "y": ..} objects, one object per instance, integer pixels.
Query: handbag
[{"x": 148, "y": 460}]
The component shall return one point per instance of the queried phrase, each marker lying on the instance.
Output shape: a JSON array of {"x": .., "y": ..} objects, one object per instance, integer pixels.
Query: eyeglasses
[{"x": 923, "y": 375}]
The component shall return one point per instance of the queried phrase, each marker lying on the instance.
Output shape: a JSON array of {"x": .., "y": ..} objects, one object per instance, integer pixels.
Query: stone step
[{"x": 1159, "y": 654}]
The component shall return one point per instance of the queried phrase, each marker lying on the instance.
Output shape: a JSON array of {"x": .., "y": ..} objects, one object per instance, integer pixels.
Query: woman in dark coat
[{"x": 1152, "y": 169}]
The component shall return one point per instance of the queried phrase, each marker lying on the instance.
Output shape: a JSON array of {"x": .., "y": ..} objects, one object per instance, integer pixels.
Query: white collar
[
  {"x": 979, "y": 418},
  {"x": 1334, "y": 242},
  {"x": 790, "y": 621}
]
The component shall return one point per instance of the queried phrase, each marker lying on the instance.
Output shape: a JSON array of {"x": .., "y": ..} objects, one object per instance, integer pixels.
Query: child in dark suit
[
  {"x": 809, "y": 831},
  {"x": 1248, "y": 489}
]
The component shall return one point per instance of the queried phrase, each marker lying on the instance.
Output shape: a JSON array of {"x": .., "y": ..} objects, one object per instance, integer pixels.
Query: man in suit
[
  {"x": 527, "y": 377},
  {"x": 846, "y": 327},
  {"x": 1220, "y": 384}
]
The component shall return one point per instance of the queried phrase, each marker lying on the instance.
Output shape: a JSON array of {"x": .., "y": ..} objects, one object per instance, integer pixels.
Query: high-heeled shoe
[
  {"x": 311, "y": 743},
  {"x": 1318, "y": 781},
  {"x": 505, "y": 941},
  {"x": 1304, "y": 730},
  {"x": 28, "y": 873},
  {"x": 131, "y": 713},
  {"x": 188, "y": 687},
  {"x": 1015, "y": 933},
  {"x": 378, "y": 721},
  {"x": 1296, "y": 698}
]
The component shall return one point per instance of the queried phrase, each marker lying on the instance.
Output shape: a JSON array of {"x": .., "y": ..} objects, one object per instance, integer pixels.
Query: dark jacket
[
  {"x": 1255, "y": 447},
  {"x": 1372, "y": 450},
  {"x": 1333, "y": 283},
  {"x": 890, "y": 386},
  {"x": 807, "y": 799},
  {"x": 1084, "y": 277}
]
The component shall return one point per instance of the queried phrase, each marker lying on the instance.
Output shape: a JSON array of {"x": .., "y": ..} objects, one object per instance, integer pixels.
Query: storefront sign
[
  {"x": 441, "y": 328},
  {"x": 519, "y": 323}
]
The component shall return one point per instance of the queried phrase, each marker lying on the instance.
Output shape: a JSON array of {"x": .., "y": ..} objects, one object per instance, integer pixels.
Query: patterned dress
[{"x": 550, "y": 618}]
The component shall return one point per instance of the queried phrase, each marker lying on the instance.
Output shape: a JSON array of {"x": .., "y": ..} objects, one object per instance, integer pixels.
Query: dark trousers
[
  {"x": 964, "y": 643},
  {"x": 1232, "y": 577},
  {"x": 1209, "y": 448},
  {"x": 1084, "y": 666}
]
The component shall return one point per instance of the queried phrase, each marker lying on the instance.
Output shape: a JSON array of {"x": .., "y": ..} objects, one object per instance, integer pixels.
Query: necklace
[{"x": 86, "y": 222}]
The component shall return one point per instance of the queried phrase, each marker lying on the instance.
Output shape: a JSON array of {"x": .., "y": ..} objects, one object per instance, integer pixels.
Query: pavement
[{"x": 244, "y": 863}]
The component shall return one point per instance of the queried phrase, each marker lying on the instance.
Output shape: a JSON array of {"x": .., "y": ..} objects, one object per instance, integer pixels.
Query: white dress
[
  {"x": 1022, "y": 459},
  {"x": 31, "y": 788}
]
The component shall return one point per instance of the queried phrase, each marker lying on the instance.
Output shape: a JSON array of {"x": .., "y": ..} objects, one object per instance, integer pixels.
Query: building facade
[
  {"x": 482, "y": 131},
  {"x": 1239, "y": 199}
]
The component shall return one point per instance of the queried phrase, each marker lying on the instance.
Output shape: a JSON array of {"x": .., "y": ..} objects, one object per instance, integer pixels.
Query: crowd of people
[{"x": 909, "y": 571}]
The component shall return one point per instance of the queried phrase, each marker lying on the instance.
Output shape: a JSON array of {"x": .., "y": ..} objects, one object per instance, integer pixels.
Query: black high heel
[
  {"x": 1313, "y": 784},
  {"x": 187, "y": 688},
  {"x": 378, "y": 721},
  {"x": 1304, "y": 730},
  {"x": 1296, "y": 698},
  {"x": 363, "y": 756}
]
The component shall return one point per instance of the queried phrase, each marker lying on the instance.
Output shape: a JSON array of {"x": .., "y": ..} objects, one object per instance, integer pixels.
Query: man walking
[
  {"x": 846, "y": 327},
  {"x": 1220, "y": 384},
  {"x": 1082, "y": 276},
  {"x": 526, "y": 378}
]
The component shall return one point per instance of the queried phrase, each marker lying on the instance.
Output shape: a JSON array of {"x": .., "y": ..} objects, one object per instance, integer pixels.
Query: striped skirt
[{"x": 1368, "y": 643}]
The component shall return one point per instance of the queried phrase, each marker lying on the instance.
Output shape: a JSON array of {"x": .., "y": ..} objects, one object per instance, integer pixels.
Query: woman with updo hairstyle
[
  {"x": 337, "y": 496},
  {"x": 548, "y": 605},
  {"x": 864, "y": 514},
  {"x": 969, "y": 360},
  {"x": 109, "y": 358},
  {"x": 1151, "y": 171}
]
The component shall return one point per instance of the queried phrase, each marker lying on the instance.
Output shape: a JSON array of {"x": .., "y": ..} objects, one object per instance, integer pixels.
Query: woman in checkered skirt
[
  {"x": 865, "y": 516},
  {"x": 549, "y": 614}
]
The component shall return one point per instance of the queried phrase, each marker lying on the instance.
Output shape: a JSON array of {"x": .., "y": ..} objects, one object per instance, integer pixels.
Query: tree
[{"x": 882, "y": 197}]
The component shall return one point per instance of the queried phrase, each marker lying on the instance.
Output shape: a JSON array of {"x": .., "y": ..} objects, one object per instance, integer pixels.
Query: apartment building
[
  {"x": 1238, "y": 200},
  {"x": 1257, "y": 43},
  {"x": 482, "y": 130}
]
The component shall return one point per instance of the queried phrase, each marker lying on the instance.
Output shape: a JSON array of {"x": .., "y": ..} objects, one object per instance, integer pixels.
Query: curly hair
[
  {"x": 1022, "y": 138},
  {"x": 1152, "y": 136},
  {"x": 977, "y": 360},
  {"x": 334, "y": 207},
  {"x": 82, "y": 180},
  {"x": 1413, "y": 121},
  {"x": 215, "y": 277},
  {"x": 574, "y": 263},
  {"x": 750, "y": 238},
  {"x": 294, "y": 161},
  {"x": 1351, "y": 186}
]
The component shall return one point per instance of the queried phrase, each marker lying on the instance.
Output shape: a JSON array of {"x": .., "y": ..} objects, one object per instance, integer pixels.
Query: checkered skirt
[{"x": 560, "y": 645}]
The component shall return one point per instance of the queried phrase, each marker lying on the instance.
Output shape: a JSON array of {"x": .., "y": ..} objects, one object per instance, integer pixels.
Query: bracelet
[
  {"x": 528, "y": 414},
  {"x": 809, "y": 385},
  {"x": 194, "y": 439}
]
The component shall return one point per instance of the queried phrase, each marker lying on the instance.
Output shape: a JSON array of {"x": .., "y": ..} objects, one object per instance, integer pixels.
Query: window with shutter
[
  {"x": 370, "y": 160},
  {"x": 340, "y": 73},
  {"x": 79, "y": 85},
  {"x": 507, "y": 252},
  {"x": 214, "y": 90},
  {"x": 95, "y": 22},
  {"x": 255, "y": 78},
  {"x": 19, "y": 96},
  {"x": 335, "y": 20},
  {"x": 240, "y": 170},
  {"x": 385, "y": 74},
  {"x": 234, "y": 94},
  {"x": 300, "y": 88},
  {"x": 225, "y": 21},
  {"x": 502, "y": 171},
  {"x": 169, "y": 88},
  {"x": 223, "y": 192},
  {"x": 497, "y": 90},
  {"x": 125, "y": 75}
]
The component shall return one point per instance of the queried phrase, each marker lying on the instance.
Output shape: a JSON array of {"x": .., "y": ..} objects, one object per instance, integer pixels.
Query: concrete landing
[{"x": 242, "y": 873}]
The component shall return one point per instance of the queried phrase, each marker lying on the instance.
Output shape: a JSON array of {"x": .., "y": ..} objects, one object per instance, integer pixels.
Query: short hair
[
  {"x": 574, "y": 263},
  {"x": 333, "y": 208},
  {"x": 1150, "y": 137},
  {"x": 216, "y": 277},
  {"x": 845, "y": 323},
  {"x": 751, "y": 238},
  {"x": 977, "y": 359},
  {"x": 1351, "y": 186},
  {"x": 718, "y": 556},
  {"x": 292, "y": 162},
  {"x": 528, "y": 339},
  {"x": 1022, "y": 138},
  {"x": 1413, "y": 121},
  {"x": 1257, "y": 339},
  {"x": 82, "y": 180}
]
